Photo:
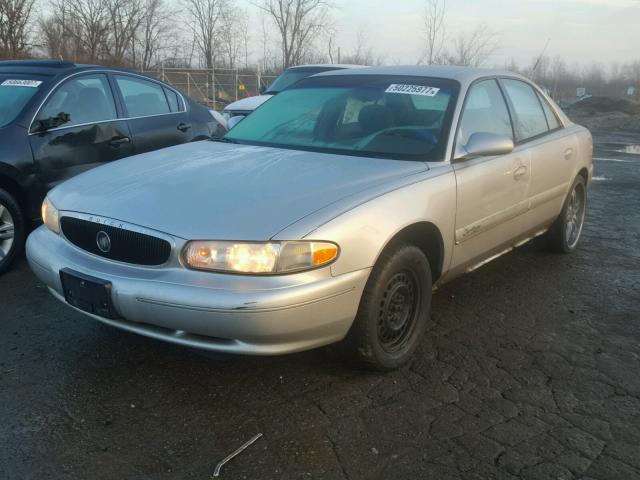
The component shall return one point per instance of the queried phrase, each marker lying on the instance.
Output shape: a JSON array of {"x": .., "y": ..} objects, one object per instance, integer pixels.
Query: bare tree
[
  {"x": 15, "y": 27},
  {"x": 89, "y": 24},
  {"x": 362, "y": 54},
  {"x": 434, "y": 29},
  {"x": 632, "y": 73},
  {"x": 234, "y": 37},
  {"x": 153, "y": 33},
  {"x": 475, "y": 47},
  {"x": 124, "y": 18},
  {"x": 63, "y": 32},
  {"x": 299, "y": 23},
  {"x": 207, "y": 18}
]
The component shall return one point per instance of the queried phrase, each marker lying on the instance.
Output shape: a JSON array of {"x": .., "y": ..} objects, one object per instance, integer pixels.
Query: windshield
[
  {"x": 15, "y": 92},
  {"x": 381, "y": 116},
  {"x": 291, "y": 76}
]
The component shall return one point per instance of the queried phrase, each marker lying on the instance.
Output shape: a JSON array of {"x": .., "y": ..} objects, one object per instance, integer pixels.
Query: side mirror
[
  {"x": 263, "y": 88},
  {"x": 484, "y": 144},
  {"x": 233, "y": 121},
  {"x": 52, "y": 122}
]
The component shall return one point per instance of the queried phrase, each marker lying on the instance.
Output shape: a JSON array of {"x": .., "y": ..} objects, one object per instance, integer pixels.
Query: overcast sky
[{"x": 582, "y": 31}]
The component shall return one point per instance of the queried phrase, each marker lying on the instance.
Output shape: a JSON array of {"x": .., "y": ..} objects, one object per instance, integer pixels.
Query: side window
[
  {"x": 552, "y": 120},
  {"x": 484, "y": 111},
  {"x": 142, "y": 97},
  {"x": 85, "y": 99},
  {"x": 530, "y": 119},
  {"x": 173, "y": 99}
]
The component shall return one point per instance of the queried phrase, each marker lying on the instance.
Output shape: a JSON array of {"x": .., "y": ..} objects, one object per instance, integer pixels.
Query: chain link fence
[{"x": 215, "y": 88}]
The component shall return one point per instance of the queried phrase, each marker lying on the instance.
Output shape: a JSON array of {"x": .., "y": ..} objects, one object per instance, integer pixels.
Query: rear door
[
  {"x": 92, "y": 134},
  {"x": 156, "y": 114},
  {"x": 552, "y": 150},
  {"x": 491, "y": 191}
]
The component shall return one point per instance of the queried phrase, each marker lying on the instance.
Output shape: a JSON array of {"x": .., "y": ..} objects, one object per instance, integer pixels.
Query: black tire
[
  {"x": 394, "y": 309},
  {"x": 558, "y": 239},
  {"x": 9, "y": 205}
]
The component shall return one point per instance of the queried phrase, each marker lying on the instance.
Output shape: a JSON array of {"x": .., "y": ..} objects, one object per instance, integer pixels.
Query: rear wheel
[
  {"x": 564, "y": 234},
  {"x": 393, "y": 311},
  {"x": 12, "y": 230}
]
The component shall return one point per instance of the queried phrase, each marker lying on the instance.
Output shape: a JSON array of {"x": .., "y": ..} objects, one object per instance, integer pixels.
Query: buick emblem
[{"x": 103, "y": 241}]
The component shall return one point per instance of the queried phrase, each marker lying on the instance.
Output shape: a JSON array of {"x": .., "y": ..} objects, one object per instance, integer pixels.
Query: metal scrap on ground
[{"x": 228, "y": 458}]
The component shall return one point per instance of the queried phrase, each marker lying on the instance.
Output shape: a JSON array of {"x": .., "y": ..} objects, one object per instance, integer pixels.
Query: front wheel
[
  {"x": 12, "y": 230},
  {"x": 564, "y": 234},
  {"x": 393, "y": 311}
]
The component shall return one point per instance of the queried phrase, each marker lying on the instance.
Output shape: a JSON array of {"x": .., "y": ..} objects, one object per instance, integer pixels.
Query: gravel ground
[{"x": 530, "y": 370}]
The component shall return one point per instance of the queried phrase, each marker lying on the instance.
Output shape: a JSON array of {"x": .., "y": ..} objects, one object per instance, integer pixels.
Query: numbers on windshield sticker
[
  {"x": 21, "y": 83},
  {"x": 412, "y": 90}
]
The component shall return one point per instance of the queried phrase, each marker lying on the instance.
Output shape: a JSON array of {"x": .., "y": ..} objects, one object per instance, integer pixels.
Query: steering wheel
[{"x": 414, "y": 133}]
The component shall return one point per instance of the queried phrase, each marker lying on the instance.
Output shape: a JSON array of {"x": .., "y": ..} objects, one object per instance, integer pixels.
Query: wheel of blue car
[
  {"x": 394, "y": 309},
  {"x": 12, "y": 230}
]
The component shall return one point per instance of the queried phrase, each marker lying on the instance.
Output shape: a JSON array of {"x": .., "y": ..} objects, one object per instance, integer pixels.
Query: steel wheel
[
  {"x": 398, "y": 311},
  {"x": 7, "y": 231},
  {"x": 394, "y": 309},
  {"x": 574, "y": 218}
]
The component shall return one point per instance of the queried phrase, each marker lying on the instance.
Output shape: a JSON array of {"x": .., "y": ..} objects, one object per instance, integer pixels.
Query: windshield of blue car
[
  {"x": 406, "y": 118},
  {"x": 291, "y": 76},
  {"x": 15, "y": 93}
]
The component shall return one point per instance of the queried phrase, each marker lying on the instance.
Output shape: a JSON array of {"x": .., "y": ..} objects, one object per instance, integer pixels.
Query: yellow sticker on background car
[{"x": 412, "y": 90}]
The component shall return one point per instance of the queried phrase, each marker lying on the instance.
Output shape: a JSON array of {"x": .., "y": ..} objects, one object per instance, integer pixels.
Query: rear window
[{"x": 15, "y": 93}]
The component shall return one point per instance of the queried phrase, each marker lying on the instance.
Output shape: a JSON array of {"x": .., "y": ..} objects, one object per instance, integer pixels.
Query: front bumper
[{"x": 226, "y": 313}]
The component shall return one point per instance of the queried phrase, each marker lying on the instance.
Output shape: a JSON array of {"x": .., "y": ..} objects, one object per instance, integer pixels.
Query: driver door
[
  {"x": 91, "y": 135},
  {"x": 491, "y": 191}
]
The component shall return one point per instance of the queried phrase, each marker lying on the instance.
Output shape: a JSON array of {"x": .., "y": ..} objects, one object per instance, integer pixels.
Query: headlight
[
  {"x": 258, "y": 258},
  {"x": 50, "y": 216}
]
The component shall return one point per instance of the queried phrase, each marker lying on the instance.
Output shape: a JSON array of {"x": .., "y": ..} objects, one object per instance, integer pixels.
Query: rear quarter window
[{"x": 552, "y": 119}]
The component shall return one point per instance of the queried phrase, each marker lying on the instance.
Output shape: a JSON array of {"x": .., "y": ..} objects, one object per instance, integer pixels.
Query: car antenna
[{"x": 535, "y": 66}]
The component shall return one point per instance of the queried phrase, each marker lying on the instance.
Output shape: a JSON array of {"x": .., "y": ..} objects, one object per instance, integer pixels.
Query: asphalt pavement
[{"x": 530, "y": 369}]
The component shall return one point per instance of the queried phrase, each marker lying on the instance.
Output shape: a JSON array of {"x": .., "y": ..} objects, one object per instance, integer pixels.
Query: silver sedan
[{"x": 328, "y": 215}]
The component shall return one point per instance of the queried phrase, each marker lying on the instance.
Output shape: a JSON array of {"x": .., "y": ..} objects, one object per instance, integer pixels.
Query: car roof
[
  {"x": 39, "y": 67},
  {"x": 333, "y": 66},
  {"x": 464, "y": 75},
  {"x": 51, "y": 68}
]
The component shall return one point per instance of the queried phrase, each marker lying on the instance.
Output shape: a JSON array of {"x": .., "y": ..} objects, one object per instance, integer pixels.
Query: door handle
[
  {"x": 117, "y": 141},
  {"x": 520, "y": 172},
  {"x": 568, "y": 154},
  {"x": 183, "y": 127}
]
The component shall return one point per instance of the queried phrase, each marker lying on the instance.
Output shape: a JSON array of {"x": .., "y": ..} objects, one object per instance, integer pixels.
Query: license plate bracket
[{"x": 87, "y": 293}]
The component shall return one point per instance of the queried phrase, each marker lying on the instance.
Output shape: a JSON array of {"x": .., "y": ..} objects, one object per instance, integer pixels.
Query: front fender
[{"x": 363, "y": 231}]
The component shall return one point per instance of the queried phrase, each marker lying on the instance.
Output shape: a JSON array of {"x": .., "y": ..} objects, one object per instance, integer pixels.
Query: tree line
[{"x": 146, "y": 34}]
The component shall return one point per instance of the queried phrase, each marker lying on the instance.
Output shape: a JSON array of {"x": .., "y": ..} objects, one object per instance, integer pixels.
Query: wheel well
[
  {"x": 426, "y": 237},
  {"x": 14, "y": 189},
  {"x": 585, "y": 174}
]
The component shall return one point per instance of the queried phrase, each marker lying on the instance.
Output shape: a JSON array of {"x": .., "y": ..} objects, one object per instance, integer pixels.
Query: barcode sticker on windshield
[
  {"x": 413, "y": 90},
  {"x": 21, "y": 83}
]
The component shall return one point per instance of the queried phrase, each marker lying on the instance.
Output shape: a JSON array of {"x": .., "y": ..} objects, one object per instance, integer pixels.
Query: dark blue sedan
[{"x": 58, "y": 119}]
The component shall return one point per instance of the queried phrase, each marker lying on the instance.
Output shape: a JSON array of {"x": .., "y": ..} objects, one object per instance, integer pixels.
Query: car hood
[
  {"x": 212, "y": 190},
  {"x": 248, "y": 104}
]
